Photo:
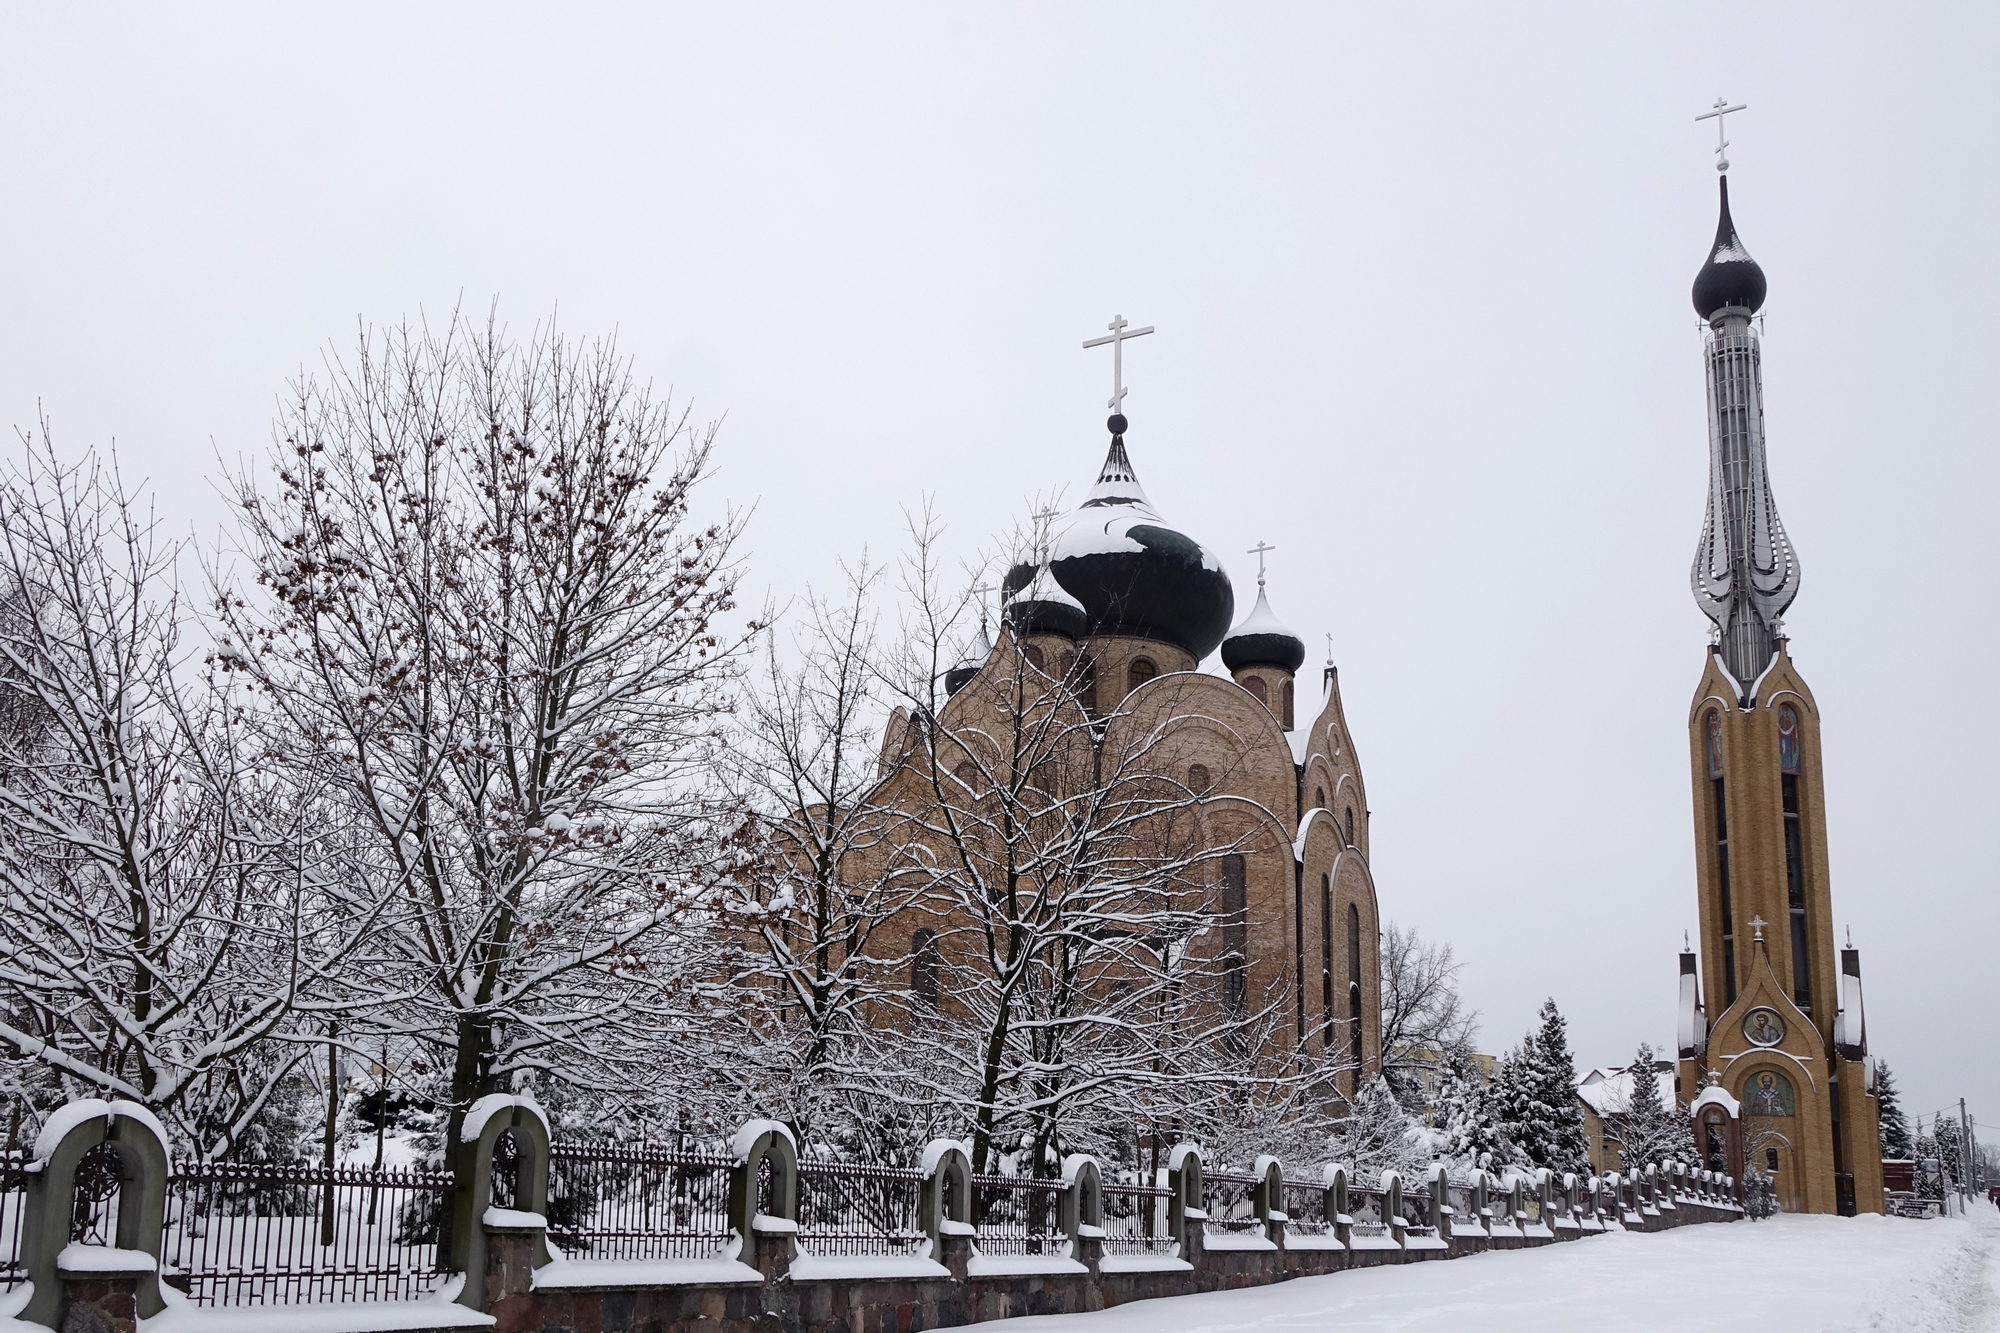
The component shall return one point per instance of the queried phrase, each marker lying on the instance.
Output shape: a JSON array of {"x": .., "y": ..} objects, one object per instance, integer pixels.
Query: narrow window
[
  {"x": 1235, "y": 933},
  {"x": 1141, "y": 671},
  {"x": 1286, "y": 712},
  {"x": 924, "y": 968},
  {"x": 1086, "y": 685},
  {"x": 1319, "y": 798},
  {"x": 967, "y": 772},
  {"x": 1326, "y": 962},
  {"x": 1258, "y": 690},
  {"x": 1795, "y": 868},
  {"x": 1722, "y": 853},
  {"x": 1235, "y": 984},
  {"x": 1354, "y": 976},
  {"x": 1350, "y": 826},
  {"x": 1033, "y": 653},
  {"x": 1198, "y": 780},
  {"x": 1299, "y": 954},
  {"x": 1771, "y": 1159}
]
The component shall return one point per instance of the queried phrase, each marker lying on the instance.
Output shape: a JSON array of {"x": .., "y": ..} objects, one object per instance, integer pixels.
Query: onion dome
[
  {"x": 968, "y": 666},
  {"x": 1135, "y": 575},
  {"x": 1262, "y": 640},
  {"x": 1037, "y": 604},
  {"x": 1730, "y": 276}
]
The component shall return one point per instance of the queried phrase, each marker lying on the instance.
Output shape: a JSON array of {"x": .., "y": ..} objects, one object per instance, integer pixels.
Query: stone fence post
[
  {"x": 499, "y": 1203},
  {"x": 1392, "y": 1206},
  {"x": 1083, "y": 1208},
  {"x": 1185, "y": 1213},
  {"x": 1268, "y": 1200},
  {"x": 945, "y": 1205},
  {"x": 117, "y": 1144},
  {"x": 1438, "y": 1181},
  {"x": 764, "y": 1196},
  {"x": 1335, "y": 1205}
]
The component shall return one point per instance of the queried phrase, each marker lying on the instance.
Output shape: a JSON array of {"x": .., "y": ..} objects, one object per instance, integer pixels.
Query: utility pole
[{"x": 1965, "y": 1149}]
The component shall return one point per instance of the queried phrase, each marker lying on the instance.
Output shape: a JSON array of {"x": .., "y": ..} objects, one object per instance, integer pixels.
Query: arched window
[
  {"x": 1258, "y": 690},
  {"x": 1350, "y": 826},
  {"x": 924, "y": 968},
  {"x": 1326, "y": 962},
  {"x": 1235, "y": 893},
  {"x": 1033, "y": 653},
  {"x": 1319, "y": 798},
  {"x": 1354, "y": 977},
  {"x": 1285, "y": 712},
  {"x": 1717, "y": 794},
  {"x": 1199, "y": 781},
  {"x": 968, "y": 773},
  {"x": 1141, "y": 671},
  {"x": 1795, "y": 861}
]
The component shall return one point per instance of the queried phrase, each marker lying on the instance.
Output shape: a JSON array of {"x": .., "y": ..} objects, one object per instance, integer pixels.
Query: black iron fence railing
[
  {"x": 1135, "y": 1219},
  {"x": 620, "y": 1202},
  {"x": 13, "y": 1193},
  {"x": 1305, "y": 1210},
  {"x": 1230, "y": 1200},
  {"x": 1018, "y": 1215},
  {"x": 252, "y": 1234},
  {"x": 851, "y": 1209}
]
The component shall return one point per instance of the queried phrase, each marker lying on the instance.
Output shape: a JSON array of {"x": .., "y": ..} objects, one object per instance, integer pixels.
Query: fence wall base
[{"x": 100, "y": 1303}]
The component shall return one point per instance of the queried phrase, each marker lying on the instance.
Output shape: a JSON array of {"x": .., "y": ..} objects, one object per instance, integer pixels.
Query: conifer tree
[
  {"x": 1897, "y": 1143},
  {"x": 1651, "y": 1130},
  {"x": 1464, "y": 1112},
  {"x": 1538, "y": 1108}
]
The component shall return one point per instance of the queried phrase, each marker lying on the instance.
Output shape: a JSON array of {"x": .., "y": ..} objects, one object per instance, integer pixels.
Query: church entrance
[{"x": 1776, "y": 1157}]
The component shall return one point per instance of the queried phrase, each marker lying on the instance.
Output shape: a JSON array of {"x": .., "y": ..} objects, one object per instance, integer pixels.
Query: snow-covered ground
[{"x": 1796, "y": 1274}]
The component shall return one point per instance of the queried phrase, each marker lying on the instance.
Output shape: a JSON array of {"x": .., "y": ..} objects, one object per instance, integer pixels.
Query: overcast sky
[{"x": 1420, "y": 276}]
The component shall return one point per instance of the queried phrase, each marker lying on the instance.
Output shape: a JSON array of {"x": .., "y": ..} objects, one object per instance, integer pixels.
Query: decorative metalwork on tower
[{"x": 1745, "y": 573}]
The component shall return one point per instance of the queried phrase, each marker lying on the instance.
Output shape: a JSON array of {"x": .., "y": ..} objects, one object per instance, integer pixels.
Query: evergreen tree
[
  {"x": 1463, "y": 1111},
  {"x": 1651, "y": 1130},
  {"x": 1760, "y": 1196},
  {"x": 1538, "y": 1109},
  {"x": 1950, "y": 1149},
  {"x": 1897, "y": 1142}
]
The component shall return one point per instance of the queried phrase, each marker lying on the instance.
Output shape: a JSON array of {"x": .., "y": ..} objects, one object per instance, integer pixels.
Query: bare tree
[
  {"x": 167, "y": 921},
  {"x": 491, "y": 634},
  {"x": 1424, "y": 1019}
]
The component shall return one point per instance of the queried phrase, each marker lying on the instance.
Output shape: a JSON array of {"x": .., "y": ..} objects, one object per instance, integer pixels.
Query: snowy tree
[
  {"x": 1463, "y": 1112},
  {"x": 489, "y": 637},
  {"x": 1897, "y": 1144},
  {"x": 1378, "y": 1135},
  {"x": 1536, "y": 1098},
  {"x": 168, "y": 917},
  {"x": 1424, "y": 1019},
  {"x": 1648, "y": 1127},
  {"x": 1760, "y": 1194}
]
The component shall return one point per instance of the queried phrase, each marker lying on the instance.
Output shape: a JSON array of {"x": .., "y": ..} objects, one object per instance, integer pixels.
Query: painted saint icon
[
  {"x": 1788, "y": 738},
  {"x": 1714, "y": 744},
  {"x": 1769, "y": 1093},
  {"x": 1763, "y": 1027}
]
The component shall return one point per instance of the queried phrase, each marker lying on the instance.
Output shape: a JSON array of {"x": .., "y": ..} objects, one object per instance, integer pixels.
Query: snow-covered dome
[
  {"x": 1038, "y": 604},
  {"x": 1263, "y": 640},
  {"x": 1131, "y": 572},
  {"x": 1729, "y": 276}
]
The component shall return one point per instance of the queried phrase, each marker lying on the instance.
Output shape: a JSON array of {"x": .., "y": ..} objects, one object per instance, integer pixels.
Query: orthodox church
[
  {"x": 1771, "y": 1030},
  {"x": 1107, "y": 623}
]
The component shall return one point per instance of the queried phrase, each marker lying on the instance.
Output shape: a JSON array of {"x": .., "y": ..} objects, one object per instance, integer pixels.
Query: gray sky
[{"x": 1421, "y": 282}]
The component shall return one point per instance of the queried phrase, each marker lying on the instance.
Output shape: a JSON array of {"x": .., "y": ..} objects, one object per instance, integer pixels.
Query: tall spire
[{"x": 1745, "y": 574}]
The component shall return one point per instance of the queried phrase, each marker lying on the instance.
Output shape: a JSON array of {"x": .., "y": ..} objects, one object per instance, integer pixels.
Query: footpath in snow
[{"x": 1796, "y": 1274}]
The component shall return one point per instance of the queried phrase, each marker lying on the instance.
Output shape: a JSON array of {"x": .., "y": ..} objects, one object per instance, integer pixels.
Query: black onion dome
[
  {"x": 1037, "y": 604},
  {"x": 1262, "y": 640},
  {"x": 1135, "y": 575},
  {"x": 969, "y": 666},
  {"x": 1731, "y": 276}
]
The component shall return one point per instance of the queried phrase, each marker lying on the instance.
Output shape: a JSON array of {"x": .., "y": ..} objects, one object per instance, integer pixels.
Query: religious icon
[
  {"x": 1788, "y": 738},
  {"x": 1763, "y": 1027},
  {"x": 1769, "y": 1093},
  {"x": 1714, "y": 744}
]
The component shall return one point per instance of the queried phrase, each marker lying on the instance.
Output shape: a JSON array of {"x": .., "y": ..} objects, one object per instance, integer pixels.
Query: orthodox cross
[
  {"x": 1329, "y": 649},
  {"x": 980, "y": 592},
  {"x": 1757, "y": 923},
  {"x": 1258, "y": 550},
  {"x": 1722, "y": 110},
  {"x": 1119, "y": 333}
]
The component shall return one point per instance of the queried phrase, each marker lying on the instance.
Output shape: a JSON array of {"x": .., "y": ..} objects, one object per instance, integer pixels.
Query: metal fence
[
  {"x": 1369, "y": 1209},
  {"x": 253, "y": 1234},
  {"x": 1305, "y": 1210},
  {"x": 1018, "y": 1215},
  {"x": 1230, "y": 1200},
  {"x": 851, "y": 1209},
  {"x": 1135, "y": 1219},
  {"x": 13, "y": 1194},
  {"x": 614, "y": 1202}
]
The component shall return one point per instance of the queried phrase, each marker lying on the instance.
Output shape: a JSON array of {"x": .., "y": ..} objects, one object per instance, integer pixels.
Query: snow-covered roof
[
  {"x": 1608, "y": 1091},
  {"x": 1263, "y": 620}
]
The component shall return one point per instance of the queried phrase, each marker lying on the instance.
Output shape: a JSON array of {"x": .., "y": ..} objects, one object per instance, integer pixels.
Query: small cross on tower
[
  {"x": 1259, "y": 551},
  {"x": 1722, "y": 110},
  {"x": 1757, "y": 923},
  {"x": 1119, "y": 333}
]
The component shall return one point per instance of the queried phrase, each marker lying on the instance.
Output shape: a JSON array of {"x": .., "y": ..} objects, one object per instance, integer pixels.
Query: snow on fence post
[
  {"x": 1392, "y": 1206},
  {"x": 1081, "y": 1210},
  {"x": 945, "y": 1206},
  {"x": 1545, "y": 1198},
  {"x": 504, "y": 1193},
  {"x": 1268, "y": 1199},
  {"x": 1438, "y": 1180},
  {"x": 1482, "y": 1200},
  {"x": 764, "y": 1195},
  {"x": 1517, "y": 1203},
  {"x": 1336, "y": 1178},
  {"x": 1185, "y": 1215},
  {"x": 123, "y": 1273}
]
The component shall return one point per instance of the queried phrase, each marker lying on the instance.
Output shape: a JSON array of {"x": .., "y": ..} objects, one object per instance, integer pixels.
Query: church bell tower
[{"x": 1786, "y": 1043}]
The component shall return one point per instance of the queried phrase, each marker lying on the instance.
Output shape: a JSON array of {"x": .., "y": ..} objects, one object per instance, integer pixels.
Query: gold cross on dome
[
  {"x": 1721, "y": 112},
  {"x": 1757, "y": 923},
  {"x": 1119, "y": 333}
]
